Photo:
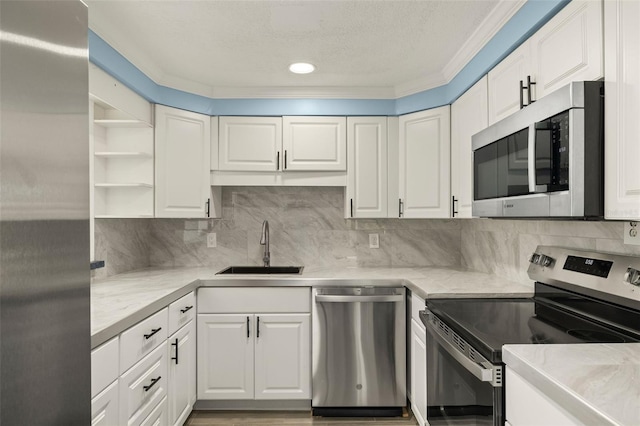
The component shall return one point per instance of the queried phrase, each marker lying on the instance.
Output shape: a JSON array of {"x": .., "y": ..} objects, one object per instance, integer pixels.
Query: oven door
[{"x": 460, "y": 391}]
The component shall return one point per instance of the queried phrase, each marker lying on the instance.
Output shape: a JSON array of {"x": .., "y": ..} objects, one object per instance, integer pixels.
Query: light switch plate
[
  {"x": 211, "y": 240},
  {"x": 632, "y": 233},
  {"x": 374, "y": 241}
]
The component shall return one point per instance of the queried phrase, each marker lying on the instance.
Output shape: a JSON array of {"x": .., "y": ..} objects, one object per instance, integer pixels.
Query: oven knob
[
  {"x": 545, "y": 260},
  {"x": 632, "y": 276},
  {"x": 535, "y": 258}
]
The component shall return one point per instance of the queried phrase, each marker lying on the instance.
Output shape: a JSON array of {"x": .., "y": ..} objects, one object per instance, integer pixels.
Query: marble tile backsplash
[
  {"x": 308, "y": 228},
  {"x": 503, "y": 246}
]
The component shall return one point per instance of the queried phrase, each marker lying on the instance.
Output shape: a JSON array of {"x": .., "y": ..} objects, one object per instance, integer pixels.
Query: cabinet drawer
[
  {"x": 142, "y": 338},
  {"x": 143, "y": 387},
  {"x": 181, "y": 312},
  {"x": 224, "y": 300},
  {"x": 104, "y": 407},
  {"x": 158, "y": 416},
  {"x": 417, "y": 305},
  {"x": 104, "y": 365}
]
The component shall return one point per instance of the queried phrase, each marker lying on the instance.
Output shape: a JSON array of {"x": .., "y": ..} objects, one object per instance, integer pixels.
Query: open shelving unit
[{"x": 123, "y": 163}]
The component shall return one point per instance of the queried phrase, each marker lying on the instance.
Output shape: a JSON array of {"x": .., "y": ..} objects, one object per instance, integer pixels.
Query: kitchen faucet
[{"x": 264, "y": 240}]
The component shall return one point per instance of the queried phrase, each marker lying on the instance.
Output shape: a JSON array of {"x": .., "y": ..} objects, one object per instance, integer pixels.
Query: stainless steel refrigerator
[{"x": 44, "y": 214}]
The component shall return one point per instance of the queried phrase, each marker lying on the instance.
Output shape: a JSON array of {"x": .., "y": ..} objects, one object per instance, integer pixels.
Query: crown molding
[
  {"x": 139, "y": 59},
  {"x": 498, "y": 17},
  {"x": 419, "y": 85},
  {"x": 277, "y": 92},
  {"x": 501, "y": 14}
]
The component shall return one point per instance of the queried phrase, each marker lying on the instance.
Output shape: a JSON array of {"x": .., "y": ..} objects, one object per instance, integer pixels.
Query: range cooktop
[
  {"x": 487, "y": 324},
  {"x": 580, "y": 297}
]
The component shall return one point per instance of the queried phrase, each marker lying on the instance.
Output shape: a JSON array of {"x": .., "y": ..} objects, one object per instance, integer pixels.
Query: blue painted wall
[{"x": 525, "y": 22}]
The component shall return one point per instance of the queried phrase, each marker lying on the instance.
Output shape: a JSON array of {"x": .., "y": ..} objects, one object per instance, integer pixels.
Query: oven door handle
[{"x": 483, "y": 374}]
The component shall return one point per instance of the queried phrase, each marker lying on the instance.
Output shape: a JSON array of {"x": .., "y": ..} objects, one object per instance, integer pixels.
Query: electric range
[{"x": 580, "y": 297}]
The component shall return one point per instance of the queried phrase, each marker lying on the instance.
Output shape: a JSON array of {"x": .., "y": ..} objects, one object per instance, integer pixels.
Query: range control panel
[{"x": 586, "y": 265}]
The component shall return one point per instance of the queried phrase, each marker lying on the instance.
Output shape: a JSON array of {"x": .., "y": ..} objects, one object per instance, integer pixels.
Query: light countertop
[
  {"x": 596, "y": 383},
  {"x": 121, "y": 301}
]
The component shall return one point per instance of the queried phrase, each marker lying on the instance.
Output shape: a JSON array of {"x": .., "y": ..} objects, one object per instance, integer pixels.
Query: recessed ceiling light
[{"x": 301, "y": 68}]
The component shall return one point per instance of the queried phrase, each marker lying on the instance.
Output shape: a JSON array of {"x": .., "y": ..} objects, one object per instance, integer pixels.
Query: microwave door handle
[{"x": 532, "y": 158}]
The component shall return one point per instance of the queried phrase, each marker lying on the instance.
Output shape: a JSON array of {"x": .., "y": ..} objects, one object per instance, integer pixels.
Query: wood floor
[{"x": 288, "y": 418}]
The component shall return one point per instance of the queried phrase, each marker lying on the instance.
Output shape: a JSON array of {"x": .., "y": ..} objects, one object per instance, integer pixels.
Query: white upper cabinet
[
  {"x": 567, "y": 48},
  {"x": 250, "y": 143},
  {"x": 314, "y": 143},
  {"x": 183, "y": 141},
  {"x": 504, "y": 84},
  {"x": 366, "y": 192},
  {"x": 424, "y": 150},
  {"x": 468, "y": 117},
  {"x": 622, "y": 109}
]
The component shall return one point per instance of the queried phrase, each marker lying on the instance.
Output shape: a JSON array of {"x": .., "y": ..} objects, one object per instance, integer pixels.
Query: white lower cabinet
[
  {"x": 143, "y": 387},
  {"x": 158, "y": 416},
  {"x": 282, "y": 356},
  {"x": 244, "y": 355},
  {"x": 418, "y": 361},
  {"x": 104, "y": 407},
  {"x": 254, "y": 356},
  {"x": 418, "y": 372},
  {"x": 182, "y": 374},
  {"x": 225, "y": 356},
  {"x": 526, "y": 405}
]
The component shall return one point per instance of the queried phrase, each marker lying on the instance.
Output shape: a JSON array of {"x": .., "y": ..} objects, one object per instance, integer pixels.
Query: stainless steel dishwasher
[{"x": 359, "y": 351}]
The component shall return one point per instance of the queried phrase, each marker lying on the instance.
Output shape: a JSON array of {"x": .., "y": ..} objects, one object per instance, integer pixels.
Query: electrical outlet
[
  {"x": 374, "y": 241},
  {"x": 211, "y": 240},
  {"x": 631, "y": 231}
]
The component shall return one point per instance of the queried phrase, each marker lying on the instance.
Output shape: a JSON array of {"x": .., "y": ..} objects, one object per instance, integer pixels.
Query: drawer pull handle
[
  {"x": 153, "y": 331},
  {"x": 258, "y": 328},
  {"x": 153, "y": 382},
  {"x": 176, "y": 345},
  {"x": 247, "y": 327},
  {"x": 188, "y": 308}
]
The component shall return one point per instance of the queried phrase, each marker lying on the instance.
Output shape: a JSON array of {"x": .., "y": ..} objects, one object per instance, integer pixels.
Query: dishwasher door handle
[{"x": 323, "y": 298}]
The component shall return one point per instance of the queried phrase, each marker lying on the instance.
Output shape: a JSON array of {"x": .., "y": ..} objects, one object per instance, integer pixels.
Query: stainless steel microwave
[{"x": 546, "y": 160}]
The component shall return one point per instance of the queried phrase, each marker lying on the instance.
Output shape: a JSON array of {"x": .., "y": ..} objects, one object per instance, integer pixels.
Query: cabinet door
[
  {"x": 526, "y": 405},
  {"x": 366, "y": 193},
  {"x": 104, "y": 407},
  {"x": 622, "y": 109},
  {"x": 569, "y": 47},
  {"x": 225, "y": 356},
  {"x": 504, "y": 83},
  {"x": 468, "y": 116},
  {"x": 314, "y": 143},
  {"x": 418, "y": 372},
  {"x": 424, "y": 187},
  {"x": 250, "y": 143},
  {"x": 183, "y": 142},
  {"x": 283, "y": 356},
  {"x": 182, "y": 374}
]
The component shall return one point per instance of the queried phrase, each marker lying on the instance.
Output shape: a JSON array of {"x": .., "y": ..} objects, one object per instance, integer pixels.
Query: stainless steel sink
[{"x": 259, "y": 270}]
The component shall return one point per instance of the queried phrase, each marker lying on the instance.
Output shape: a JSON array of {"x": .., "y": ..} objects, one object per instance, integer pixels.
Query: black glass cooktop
[{"x": 487, "y": 324}]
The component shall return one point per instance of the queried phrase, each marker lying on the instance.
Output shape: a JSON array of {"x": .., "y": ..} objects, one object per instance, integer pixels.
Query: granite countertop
[
  {"x": 120, "y": 301},
  {"x": 596, "y": 383}
]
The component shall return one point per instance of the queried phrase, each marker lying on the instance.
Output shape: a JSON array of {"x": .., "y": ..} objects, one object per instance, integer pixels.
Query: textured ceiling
[{"x": 243, "y": 48}]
